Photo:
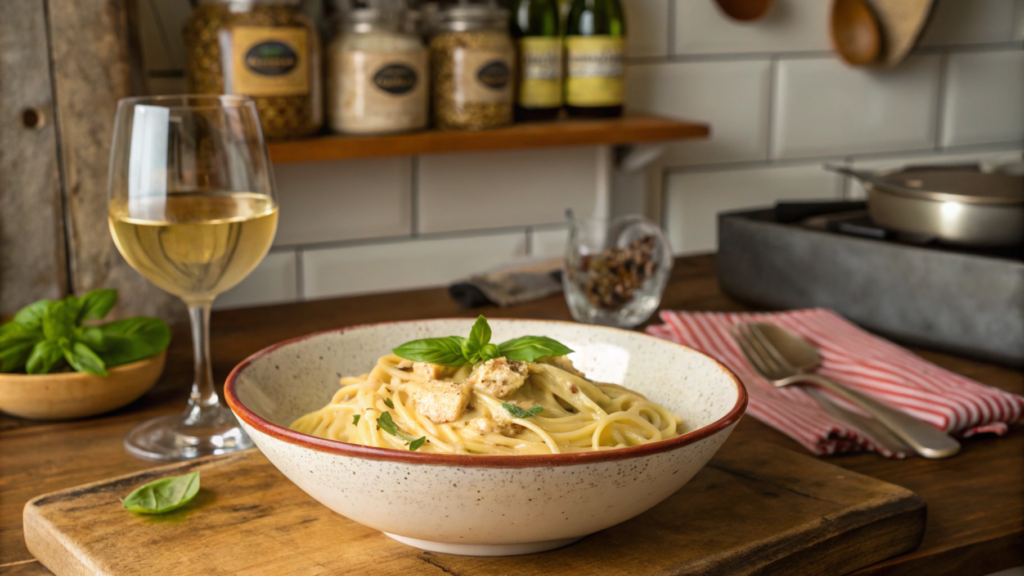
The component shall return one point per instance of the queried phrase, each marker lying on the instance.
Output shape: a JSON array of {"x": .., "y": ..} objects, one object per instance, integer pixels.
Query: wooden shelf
[{"x": 630, "y": 129}]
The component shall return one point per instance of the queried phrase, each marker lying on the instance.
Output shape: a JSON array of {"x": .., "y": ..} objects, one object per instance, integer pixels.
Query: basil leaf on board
[
  {"x": 440, "y": 351},
  {"x": 59, "y": 320},
  {"x": 31, "y": 316},
  {"x": 415, "y": 444},
  {"x": 83, "y": 359},
  {"x": 518, "y": 412},
  {"x": 163, "y": 495},
  {"x": 530, "y": 348},
  {"x": 96, "y": 304},
  {"x": 132, "y": 339},
  {"x": 44, "y": 358}
]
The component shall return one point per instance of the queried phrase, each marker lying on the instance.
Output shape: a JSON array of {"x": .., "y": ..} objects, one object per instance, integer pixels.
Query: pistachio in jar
[
  {"x": 472, "y": 60},
  {"x": 376, "y": 75},
  {"x": 268, "y": 50}
]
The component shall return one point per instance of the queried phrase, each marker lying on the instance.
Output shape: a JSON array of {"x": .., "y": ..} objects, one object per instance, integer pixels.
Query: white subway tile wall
[
  {"x": 778, "y": 101},
  {"x": 984, "y": 98},
  {"x": 694, "y": 198},
  {"x": 824, "y": 107},
  {"x": 274, "y": 281},
  {"x": 732, "y": 97},
  {"x": 480, "y": 190},
  {"x": 354, "y": 199},
  {"x": 359, "y": 269}
]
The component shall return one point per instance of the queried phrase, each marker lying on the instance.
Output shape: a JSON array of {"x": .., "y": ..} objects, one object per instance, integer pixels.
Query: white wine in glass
[{"x": 192, "y": 209}]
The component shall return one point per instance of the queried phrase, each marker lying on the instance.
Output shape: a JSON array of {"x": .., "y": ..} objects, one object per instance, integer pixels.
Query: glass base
[{"x": 196, "y": 433}]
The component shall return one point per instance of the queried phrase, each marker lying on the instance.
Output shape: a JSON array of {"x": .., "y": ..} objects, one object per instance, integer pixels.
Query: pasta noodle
[{"x": 578, "y": 415}]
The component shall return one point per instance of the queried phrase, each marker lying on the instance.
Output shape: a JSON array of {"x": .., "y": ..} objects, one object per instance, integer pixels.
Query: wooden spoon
[
  {"x": 744, "y": 10},
  {"x": 856, "y": 35}
]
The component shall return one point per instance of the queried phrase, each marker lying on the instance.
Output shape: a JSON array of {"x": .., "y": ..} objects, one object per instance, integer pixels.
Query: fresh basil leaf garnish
[
  {"x": 530, "y": 348},
  {"x": 455, "y": 351},
  {"x": 389, "y": 403},
  {"x": 518, "y": 412},
  {"x": 440, "y": 351},
  {"x": 163, "y": 495},
  {"x": 415, "y": 444},
  {"x": 355, "y": 419},
  {"x": 387, "y": 424},
  {"x": 31, "y": 316},
  {"x": 58, "y": 321}
]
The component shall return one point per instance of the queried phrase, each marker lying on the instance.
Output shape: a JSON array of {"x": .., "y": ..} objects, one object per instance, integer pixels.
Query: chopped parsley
[{"x": 518, "y": 412}]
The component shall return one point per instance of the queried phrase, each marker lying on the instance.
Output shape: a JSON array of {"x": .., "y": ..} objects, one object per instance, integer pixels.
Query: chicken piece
[
  {"x": 428, "y": 371},
  {"x": 564, "y": 363},
  {"x": 499, "y": 377},
  {"x": 442, "y": 400}
]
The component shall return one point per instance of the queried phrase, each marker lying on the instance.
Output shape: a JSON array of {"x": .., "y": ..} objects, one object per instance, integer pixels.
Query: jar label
[
  {"x": 376, "y": 92},
  {"x": 482, "y": 76},
  {"x": 594, "y": 71},
  {"x": 268, "y": 61},
  {"x": 540, "y": 60}
]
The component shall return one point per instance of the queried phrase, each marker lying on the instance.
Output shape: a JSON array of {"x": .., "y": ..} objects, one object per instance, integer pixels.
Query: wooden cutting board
[{"x": 755, "y": 509}]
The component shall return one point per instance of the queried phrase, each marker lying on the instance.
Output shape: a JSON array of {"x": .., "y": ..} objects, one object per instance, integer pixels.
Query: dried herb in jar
[
  {"x": 268, "y": 50},
  {"x": 613, "y": 276},
  {"x": 472, "y": 60}
]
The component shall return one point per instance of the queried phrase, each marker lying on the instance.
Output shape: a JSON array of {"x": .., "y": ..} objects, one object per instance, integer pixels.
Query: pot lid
[{"x": 968, "y": 187}]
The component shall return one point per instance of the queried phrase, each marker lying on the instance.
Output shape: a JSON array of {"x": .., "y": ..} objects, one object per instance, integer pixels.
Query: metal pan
[{"x": 955, "y": 205}]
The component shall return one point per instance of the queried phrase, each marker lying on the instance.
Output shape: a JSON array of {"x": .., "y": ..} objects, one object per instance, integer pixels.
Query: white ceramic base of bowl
[{"x": 484, "y": 549}]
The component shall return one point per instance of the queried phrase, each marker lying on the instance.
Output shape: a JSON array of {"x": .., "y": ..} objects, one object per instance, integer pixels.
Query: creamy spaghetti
[{"x": 497, "y": 407}]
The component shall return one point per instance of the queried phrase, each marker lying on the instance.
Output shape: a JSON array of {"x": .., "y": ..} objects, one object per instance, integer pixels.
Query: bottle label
[
  {"x": 482, "y": 76},
  {"x": 594, "y": 71},
  {"x": 540, "y": 60},
  {"x": 268, "y": 61},
  {"x": 381, "y": 92}
]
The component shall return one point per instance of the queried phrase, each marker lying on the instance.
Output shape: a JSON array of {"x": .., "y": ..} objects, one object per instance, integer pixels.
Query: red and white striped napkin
[{"x": 857, "y": 359}]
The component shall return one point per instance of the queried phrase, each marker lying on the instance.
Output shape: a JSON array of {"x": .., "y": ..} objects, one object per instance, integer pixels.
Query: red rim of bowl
[{"x": 464, "y": 460}]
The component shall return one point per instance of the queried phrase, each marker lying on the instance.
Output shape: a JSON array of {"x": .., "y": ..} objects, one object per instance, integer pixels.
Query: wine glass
[{"x": 192, "y": 209}]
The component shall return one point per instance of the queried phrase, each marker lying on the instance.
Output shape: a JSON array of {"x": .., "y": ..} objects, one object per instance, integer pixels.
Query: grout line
[
  {"x": 671, "y": 38},
  {"x": 773, "y": 72},
  {"x": 300, "y": 280},
  {"x": 940, "y": 100},
  {"x": 414, "y": 201},
  {"x": 449, "y": 235}
]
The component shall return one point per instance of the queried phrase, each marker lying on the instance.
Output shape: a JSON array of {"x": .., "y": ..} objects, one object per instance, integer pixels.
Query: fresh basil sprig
[
  {"x": 163, "y": 495},
  {"x": 455, "y": 351},
  {"x": 46, "y": 335},
  {"x": 518, "y": 412},
  {"x": 388, "y": 425}
]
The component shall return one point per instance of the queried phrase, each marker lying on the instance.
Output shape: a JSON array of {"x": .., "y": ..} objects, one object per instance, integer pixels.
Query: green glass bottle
[
  {"x": 535, "y": 26},
  {"x": 595, "y": 33}
]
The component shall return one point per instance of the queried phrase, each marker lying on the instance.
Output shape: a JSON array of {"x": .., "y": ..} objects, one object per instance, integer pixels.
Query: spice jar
[
  {"x": 266, "y": 49},
  {"x": 376, "y": 76},
  {"x": 472, "y": 60}
]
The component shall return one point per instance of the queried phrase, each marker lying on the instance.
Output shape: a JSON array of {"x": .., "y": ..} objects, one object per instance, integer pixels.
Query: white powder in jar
[{"x": 377, "y": 82}]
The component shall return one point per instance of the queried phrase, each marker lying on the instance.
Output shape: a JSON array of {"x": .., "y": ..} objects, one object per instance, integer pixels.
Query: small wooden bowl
[{"x": 69, "y": 395}]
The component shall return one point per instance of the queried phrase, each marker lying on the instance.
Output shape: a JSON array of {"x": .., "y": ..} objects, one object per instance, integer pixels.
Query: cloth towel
[{"x": 856, "y": 359}]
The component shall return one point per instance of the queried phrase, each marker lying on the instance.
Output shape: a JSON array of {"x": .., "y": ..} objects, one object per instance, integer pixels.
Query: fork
[{"x": 771, "y": 365}]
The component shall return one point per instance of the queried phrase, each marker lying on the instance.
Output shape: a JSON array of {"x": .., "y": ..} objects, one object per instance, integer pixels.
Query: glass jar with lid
[
  {"x": 472, "y": 61},
  {"x": 266, "y": 49},
  {"x": 377, "y": 78}
]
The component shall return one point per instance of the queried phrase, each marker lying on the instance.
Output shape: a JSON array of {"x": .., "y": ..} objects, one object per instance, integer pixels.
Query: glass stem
[{"x": 204, "y": 394}]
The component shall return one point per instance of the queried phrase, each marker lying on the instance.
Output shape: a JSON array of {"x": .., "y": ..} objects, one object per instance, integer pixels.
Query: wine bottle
[
  {"x": 594, "y": 36},
  {"x": 535, "y": 26}
]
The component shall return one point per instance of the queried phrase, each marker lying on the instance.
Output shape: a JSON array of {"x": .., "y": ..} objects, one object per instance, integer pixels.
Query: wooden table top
[{"x": 975, "y": 500}]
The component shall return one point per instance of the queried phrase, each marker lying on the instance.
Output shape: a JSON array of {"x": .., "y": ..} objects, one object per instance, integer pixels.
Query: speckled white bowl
[{"x": 485, "y": 505}]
